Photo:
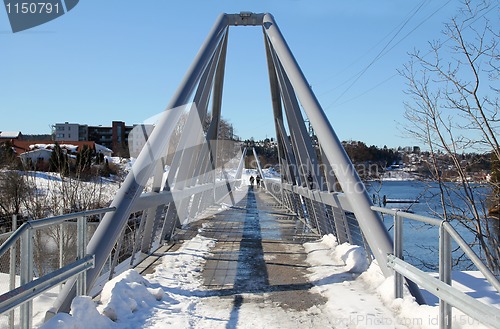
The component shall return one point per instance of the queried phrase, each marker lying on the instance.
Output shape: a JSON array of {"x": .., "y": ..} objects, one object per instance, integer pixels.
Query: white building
[
  {"x": 67, "y": 132},
  {"x": 36, "y": 158},
  {"x": 137, "y": 138}
]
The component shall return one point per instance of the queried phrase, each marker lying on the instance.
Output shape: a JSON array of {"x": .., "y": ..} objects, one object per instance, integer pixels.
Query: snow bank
[
  {"x": 333, "y": 272},
  {"x": 83, "y": 315},
  {"x": 127, "y": 293},
  {"x": 408, "y": 311},
  {"x": 328, "y": 259},
  {"x": 327, "y": 250},
  {"x": 354, "y": 257},
  {"x": 133, "y": 301}
]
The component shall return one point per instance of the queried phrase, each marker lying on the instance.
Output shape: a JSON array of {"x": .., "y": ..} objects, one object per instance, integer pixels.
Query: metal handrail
[
  {"x": 469, "y": 305},
  {"x": 26, "y": 292},
  {"x": 453, "y": 233},
  {"x": 472, "y": 255},
  {"x": 446, "y": 298},
  {"x": 38, "y": 223},
  {"x": 419, "y": 218}
]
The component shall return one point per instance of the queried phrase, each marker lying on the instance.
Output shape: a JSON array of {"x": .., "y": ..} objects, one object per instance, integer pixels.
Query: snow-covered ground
[
  {"x": 57, "y": 194},
  {"x": 173, "y": 296}
]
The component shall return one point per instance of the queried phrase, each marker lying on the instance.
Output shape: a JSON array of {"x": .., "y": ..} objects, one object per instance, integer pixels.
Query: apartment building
[{"x": 114, "y": 137}]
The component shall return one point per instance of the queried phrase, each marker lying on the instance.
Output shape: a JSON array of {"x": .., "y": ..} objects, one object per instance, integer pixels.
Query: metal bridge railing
[
  {"x": 324, "y": 212},
  {"x": 40, "y": 255},
  {"x": 441, "y": 288}
]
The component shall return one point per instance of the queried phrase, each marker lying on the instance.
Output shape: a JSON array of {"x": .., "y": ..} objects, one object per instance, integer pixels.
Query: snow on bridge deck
[
  {"x": 256, "y": 273},
  {"x": 253, "y": 265}
]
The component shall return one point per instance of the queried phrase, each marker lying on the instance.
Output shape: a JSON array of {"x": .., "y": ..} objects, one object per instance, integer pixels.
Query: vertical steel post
[
  {"x": 278, "y": 117},
  {"x": 189, "y": 144},
  {"x": 398, "y": 252},
  {"x": 26, "y": 276},
  {"x": 108, "y": 231},
  {"x": 331, "y": 180},
  {"x": 151, "y": 215},
  {"x": 138, "y": 242},
  {"x": 292, "y": 173},
  {"x": 81, "y": 242},
  {"x": 445, "y": 259},
  {"x": 241, "y": 164},
  {"x": 178, "y": 208},
  {"x": 12, "y": 270},
  {"x": 259, "y": 168},
  {"x": 308, "y": 164},
  {"x": 61, "y": 245},
  {"x": 116, "y": 255}
]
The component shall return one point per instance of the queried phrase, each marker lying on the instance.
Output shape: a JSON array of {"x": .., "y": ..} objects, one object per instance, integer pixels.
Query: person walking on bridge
[
  {"x": 252, "y": 179},
  {"x": 258, "y": 178}
]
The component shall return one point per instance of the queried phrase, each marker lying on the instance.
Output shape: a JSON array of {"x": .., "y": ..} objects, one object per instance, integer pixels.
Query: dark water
[{"x": 421, "y": 240}]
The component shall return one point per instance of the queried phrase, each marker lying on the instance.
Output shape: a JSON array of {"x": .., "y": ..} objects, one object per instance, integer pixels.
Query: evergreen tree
[
  {"x": 58, "y": 161},
  {"x": 83, "y": 160},
  {"x": 7, "y": 155},
  {"x": 105, "y": 170}
]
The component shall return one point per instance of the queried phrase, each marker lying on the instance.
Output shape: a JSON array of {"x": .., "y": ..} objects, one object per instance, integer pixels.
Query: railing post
[
  {"x": 12, "y": 270},
  {"x": 445, "y": 260},
  {"x": 81, "y": 241},
  {"x": 61, "y": 245},
  {"x": 398, "y": 252},
  {"x": 26, "y": 276}
]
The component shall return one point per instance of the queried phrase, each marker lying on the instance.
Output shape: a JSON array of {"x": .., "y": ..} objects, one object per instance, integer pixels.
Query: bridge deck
[
  {"x": 258, "y": 251},
  {"x": 256, "y": 275}
]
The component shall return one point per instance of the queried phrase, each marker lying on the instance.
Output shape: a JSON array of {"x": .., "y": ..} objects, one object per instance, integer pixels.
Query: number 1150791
[{"x": 32, "y": 8}]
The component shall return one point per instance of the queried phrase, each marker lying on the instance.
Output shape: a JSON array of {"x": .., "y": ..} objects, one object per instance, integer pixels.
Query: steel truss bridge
[{"x": 318, "y": 183}]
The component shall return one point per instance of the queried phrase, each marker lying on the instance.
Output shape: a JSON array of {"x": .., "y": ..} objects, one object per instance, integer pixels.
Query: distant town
[
  {"x": 35, "y": 151},
  {"x": 401, "y": 163},
  {"x": 372, "y": 162}
]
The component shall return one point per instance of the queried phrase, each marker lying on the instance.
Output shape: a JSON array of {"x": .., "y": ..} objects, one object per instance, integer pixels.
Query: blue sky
[{"x": 122, "y": 60}]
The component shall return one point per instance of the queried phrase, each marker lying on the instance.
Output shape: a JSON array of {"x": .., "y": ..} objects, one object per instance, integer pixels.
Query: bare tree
[
  {"x": 454, "y": 109},
  {"x": 56, "y": 194},
  {"x": 13, "y": 190}
]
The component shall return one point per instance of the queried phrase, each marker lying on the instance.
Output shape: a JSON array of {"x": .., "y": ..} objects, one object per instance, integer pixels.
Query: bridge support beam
[
  {"x": 378, "y": 239},
  {"x": 112, "y": 224},
  {"x": 370, "y": 222}
]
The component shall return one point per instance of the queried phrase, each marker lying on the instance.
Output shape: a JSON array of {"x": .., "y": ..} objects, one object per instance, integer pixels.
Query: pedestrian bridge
[{"x": 186, "y": 175}]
